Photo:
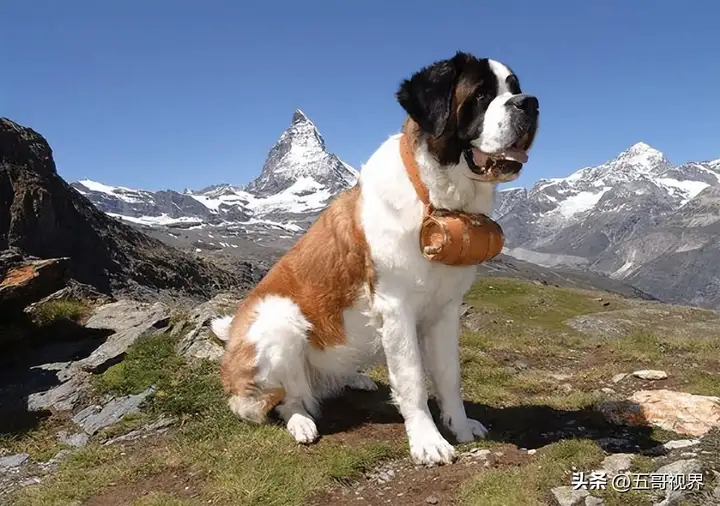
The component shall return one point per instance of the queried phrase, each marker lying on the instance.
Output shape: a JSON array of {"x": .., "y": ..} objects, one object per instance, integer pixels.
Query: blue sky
[{"x": 174, "y": 94}]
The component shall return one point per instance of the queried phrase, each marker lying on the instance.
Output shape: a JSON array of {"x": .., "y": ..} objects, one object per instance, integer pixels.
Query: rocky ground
[{"x": 120, "y": 403}]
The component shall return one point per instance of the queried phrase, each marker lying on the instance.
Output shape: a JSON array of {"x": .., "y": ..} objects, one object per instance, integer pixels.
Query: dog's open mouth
[{"x": 496, "y": 167}]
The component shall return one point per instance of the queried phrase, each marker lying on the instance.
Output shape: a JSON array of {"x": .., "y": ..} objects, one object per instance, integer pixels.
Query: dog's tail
[{"x": 221, "y": 327}]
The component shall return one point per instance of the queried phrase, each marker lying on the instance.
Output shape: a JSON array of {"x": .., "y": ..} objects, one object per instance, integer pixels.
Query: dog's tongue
[
  {"x": 479, "y": 157},
  {"x": 516, "y": 155}
]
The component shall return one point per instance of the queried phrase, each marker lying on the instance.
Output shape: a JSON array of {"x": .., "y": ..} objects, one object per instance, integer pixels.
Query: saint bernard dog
[{"x": 356, "y": 290}]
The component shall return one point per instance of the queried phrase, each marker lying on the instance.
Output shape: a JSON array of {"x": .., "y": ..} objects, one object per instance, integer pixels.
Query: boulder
[
  {"x": 129, "y": 319},
  {"x": 198, "y": 340},
  {"x": 679, "y": 412}
]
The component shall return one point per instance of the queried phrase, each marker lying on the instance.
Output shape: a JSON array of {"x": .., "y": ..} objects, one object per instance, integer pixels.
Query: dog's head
[{"x": 473, "y": 111}]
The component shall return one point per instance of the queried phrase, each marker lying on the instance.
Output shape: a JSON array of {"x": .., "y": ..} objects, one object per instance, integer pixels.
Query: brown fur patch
[{"x": 322, "y": 273}]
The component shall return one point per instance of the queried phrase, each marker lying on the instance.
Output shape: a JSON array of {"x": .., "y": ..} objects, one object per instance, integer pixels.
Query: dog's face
[{"x": 473, "y": 111}]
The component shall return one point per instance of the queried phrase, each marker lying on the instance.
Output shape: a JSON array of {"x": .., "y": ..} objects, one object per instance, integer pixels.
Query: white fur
[
  {"x": 412, "y": 322},
  {"x": 419, "y": 301},
  {"x": 221, "y": 327},
  {"x": 497, "y": 124}
]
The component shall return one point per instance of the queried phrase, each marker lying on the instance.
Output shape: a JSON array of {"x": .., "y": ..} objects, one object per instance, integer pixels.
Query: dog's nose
[{"x": 526, "y": 103}]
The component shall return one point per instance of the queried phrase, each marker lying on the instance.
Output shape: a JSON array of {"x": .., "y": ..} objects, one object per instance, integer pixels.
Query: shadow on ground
[
  {"x": 30, "y": 363},
  {"x": 371, "y": 414}
]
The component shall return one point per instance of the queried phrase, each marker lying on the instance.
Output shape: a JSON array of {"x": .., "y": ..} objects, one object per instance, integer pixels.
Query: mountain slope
[
  {"x": 617, "y": 217},
  {"x": 42, "y": 216}
]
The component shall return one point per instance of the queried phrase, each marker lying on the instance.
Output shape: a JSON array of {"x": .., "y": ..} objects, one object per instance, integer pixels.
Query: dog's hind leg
[{"x": 273, "y": 370}]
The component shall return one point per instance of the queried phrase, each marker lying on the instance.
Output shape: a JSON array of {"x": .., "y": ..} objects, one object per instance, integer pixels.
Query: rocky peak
[
  {"x": 642, "y": 158},
  {"x": 23, "y": 146},
  {"x": 300, "y": 157}
]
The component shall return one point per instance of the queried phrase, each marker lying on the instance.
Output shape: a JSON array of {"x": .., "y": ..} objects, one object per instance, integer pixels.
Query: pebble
[
  {"x": 566, "y": 496},
  {"x": 680, "y": 443},
  {"x": 650, "y": 374},
  {"x": 431, "y": 499},
  {"x": 619, "y": 377}
]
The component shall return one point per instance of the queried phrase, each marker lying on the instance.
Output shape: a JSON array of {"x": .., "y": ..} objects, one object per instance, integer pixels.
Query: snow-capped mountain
[
  {"x": 297, "y": 181},
  {"x": 603, "y": 218}
]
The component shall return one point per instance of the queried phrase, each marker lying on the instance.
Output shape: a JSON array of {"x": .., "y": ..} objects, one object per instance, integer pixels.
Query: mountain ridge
[
  {"x": 593, "y": 219},
  {"x": 606, "y": 218}
]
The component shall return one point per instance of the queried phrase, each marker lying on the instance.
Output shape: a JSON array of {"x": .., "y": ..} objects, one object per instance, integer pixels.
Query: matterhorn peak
[
  {"x": 300, "y": 157},
  {"x": 300, "y": 117}
]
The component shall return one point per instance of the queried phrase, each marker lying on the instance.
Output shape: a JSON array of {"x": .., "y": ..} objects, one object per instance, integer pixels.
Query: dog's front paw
[
  {"x": 468, "y": 431},
  {"x": 431, "y": 449},
  {"x": 303, "y": 428}
]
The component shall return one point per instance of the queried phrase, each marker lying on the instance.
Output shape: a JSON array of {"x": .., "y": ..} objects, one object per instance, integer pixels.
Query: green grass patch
[
  {"x": 150, "y": 361},
  {"x": 530, "y": 484},
  {"x": 58, "y": 310},
  {"x": 543, "y": 305},
  {"x": 232, "y": 462}
]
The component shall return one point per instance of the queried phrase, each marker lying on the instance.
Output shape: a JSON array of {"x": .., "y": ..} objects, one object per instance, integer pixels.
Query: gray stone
[
  {"x": 198, "y": 340},
  {"x": 593, "y": 501},
  {"x": 76, "y": 440},
  {"x": 567, "y": 496},
  {"x": 13, "y": 461},
  {"x": 681, "y": 467},
  {"x": 63, "y": 397},
  {"x": 129, "y": 319},
  {"x": 150, "y": 429},
  {"x": 617, "y": 463},
  {"x": 94, "y": 418}
]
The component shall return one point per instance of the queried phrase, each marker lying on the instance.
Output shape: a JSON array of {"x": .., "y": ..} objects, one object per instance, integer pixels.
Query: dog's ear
[{"x": 427, "y": 95}]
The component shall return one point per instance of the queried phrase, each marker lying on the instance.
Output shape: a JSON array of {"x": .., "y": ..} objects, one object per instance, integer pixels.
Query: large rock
[
  {"x": 42, "y": 216},
  {"x": 24, "y": 281},
  {"x": 129, "y": 319},
  {"x": 679, "y": 478},
  {"x": 198, "y": 340},
  {"x": 63, "y": 397},
  {"x": 95, "y": 418},
  {"x": 679, "y": 412}
]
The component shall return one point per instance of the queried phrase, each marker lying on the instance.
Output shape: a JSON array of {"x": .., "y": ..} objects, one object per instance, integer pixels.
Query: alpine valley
[{"x": 635, "y": 224}]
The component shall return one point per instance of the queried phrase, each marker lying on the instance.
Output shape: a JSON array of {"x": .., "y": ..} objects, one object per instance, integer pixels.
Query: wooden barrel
[{"x": 456, "y": 238}]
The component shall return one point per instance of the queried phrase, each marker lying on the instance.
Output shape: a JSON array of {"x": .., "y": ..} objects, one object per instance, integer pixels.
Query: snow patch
[
  {"x": 162, "y": 220},
  {"x": 579, "y": 203},
  {"x": 688, "y": 189}
]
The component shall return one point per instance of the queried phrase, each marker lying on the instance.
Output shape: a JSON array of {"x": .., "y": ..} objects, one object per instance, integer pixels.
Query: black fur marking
[
  {"x": 513, "y": 84},
  {"x": 427, "y": 95},
  {"x": 448, "y": 100}
]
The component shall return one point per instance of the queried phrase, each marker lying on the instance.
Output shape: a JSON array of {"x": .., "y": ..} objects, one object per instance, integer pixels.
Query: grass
[
  {"x": 58, "y": 310},
  {"x": 530, "y": 484},
  {"x": 231, "y": 462},
  {"x": 228, "y": 462},
  {"x": 41, "y": 444}
]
